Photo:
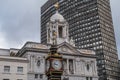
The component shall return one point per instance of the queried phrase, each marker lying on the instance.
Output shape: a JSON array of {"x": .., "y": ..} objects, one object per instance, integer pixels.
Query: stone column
[
  {"x": 92, "y": 67},
  {"x": 83, "y": 66},
  {"x": 33, "y": 62},
  {"x": 95, "y": 67},
  {"x": 68, "y": 66},
  {"x": 80, "y": 66},
  {"x": 30, "y": 62},
  {"x": 74, "y": 66},
  {"x": 44, "y": 64}
]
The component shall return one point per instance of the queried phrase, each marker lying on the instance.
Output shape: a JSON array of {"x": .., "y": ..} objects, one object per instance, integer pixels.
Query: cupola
[{"x": 57, "y": 17}]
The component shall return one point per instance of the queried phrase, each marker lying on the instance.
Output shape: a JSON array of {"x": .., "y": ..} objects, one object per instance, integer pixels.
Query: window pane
[
  {"x": 36, "y": 75},
  {"x": 41, "y": 76},
  {"x": 6, "y": 68},
  {"x": 87, "y": 78},
  {"x": 91, "y": 78},
  {"x": 20, "y": 69},
  {"x": 60, "y": 31},
  {"x": 88, "y": 67}
]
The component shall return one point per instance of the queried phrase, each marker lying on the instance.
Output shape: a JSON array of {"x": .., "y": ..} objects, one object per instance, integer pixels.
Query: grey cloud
[{"x": 20, "y": 21}]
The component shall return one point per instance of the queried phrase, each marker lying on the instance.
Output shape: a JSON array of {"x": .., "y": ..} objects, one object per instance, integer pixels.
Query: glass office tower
[{"x": 91, "y": 27}]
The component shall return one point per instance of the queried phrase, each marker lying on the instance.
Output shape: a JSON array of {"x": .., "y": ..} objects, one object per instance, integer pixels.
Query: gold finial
[{"x": 57, "y": 6}]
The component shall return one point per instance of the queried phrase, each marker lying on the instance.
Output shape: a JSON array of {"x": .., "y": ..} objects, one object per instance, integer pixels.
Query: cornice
[{"x": 14, "y": 60}]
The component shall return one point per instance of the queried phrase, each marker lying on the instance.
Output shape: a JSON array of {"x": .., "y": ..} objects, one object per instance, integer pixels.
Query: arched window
[
  {"x": 60, "y": 31},
  {"x": 88, "y": 67}
]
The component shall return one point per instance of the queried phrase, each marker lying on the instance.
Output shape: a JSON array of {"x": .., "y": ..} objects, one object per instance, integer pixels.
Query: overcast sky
[{"x": 20, "y": 22}]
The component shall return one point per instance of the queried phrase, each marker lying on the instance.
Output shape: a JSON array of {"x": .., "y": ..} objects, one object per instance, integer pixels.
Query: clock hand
[{"x": 55, "y": 63}]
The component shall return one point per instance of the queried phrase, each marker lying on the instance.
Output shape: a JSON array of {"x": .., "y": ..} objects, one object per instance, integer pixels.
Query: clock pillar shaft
[{"x": 55, "y": 70}]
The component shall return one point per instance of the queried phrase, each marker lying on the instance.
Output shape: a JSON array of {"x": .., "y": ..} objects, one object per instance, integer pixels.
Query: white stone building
[
  {"x": 78, "y": 64},
  {"x": 13, "y": 68}
]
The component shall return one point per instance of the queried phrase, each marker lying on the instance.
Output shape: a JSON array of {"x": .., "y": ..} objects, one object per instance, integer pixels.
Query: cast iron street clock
[
  {"x": 54, "y": 60},
  {"x": 54, "y": 64}
]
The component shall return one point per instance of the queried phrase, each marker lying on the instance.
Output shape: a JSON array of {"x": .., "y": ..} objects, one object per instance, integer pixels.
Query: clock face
[
  {"x": 48, "y": 65},
  {"x": 56, "y": 64}
]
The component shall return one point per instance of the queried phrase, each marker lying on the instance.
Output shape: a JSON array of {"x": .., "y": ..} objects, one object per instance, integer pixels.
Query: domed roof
[{"x": 57, "y": 16}]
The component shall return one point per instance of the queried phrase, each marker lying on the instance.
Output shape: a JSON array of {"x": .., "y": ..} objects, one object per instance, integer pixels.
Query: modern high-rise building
[
  {"x": 119, "y": 69},
  {"x": 91, "y": 27}
]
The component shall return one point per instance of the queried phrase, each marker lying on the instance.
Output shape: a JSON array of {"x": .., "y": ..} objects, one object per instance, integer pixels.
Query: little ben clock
[{"x": 57, "y": 64}]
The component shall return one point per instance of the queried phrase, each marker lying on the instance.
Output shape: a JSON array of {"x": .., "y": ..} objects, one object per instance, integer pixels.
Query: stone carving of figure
[
  {"x": 72, "y": 41},
  {"x": 54, "y": 37}
]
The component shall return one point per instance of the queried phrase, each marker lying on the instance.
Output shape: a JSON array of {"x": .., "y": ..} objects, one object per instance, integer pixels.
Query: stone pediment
[
  {"x": 66, "y": 48},
  {"x": 35, "y": 45}
]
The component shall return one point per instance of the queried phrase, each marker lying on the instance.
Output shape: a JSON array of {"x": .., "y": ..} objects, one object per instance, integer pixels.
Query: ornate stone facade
[{"x": 78, "y": 64}]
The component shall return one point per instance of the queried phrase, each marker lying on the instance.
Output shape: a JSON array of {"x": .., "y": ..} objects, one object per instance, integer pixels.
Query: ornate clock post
[{"x": 54, "y": 67}]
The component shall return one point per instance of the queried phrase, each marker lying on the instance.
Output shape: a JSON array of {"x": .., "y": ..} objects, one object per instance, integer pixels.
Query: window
[
  {"x": 91, "y": 78},
  {"x": 87, "y": 78},
  {"x": 5, "y": 79},
  {"x": 65, "y": 78},
  {"x": 36, "y": 76},
  {"x": 88, "y": 67},
  {"x": 20, "y": 69},
  {"x": 19, "y": 79},
  {"x": 41, "y": 76},
  {"x": 60, "y": 30},
  {"x": 7, "y": 69}
]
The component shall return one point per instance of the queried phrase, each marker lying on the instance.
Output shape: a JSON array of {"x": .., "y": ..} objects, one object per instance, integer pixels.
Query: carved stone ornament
[{"x": 38, "y": 63}]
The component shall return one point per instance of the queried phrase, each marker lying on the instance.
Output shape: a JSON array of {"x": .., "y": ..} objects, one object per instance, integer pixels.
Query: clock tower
[{"x": 54, "y": 60}]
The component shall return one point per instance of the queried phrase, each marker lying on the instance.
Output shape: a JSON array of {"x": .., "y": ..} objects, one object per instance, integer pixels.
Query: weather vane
[{"x": 57, "y": 6}]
